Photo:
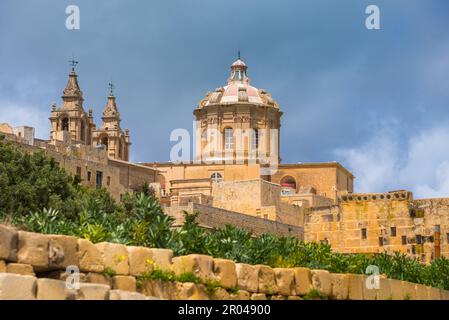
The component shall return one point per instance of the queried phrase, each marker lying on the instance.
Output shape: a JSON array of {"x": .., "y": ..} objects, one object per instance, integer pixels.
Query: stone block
[
  {"x": 125, "y": 295},
  {"x": 99, "y": 278},
  {"x": 247, "y": 277},
  {"x": 322, "y": 282},
  {"x": 60, "y": 275},
  {"x": 258, "y": 296},
  {"x": 191, "y": 291},
  {"x": 2, "y": 266},
  {"x": 63, "y": 251},
  {"x": 224, "y": 273},
  {"x": 340, "y": 286},
  {"x": 444, "y": 295},
  {"x": 198, "y": 264},
  {"x": 434, "y": 293},
  {"x": 90, "y": 257},
  {"x": 92, "y": 291},
  {"x": 421, "y": 292},
  {"x": 220, "y": 294},
  {"x": 161, "y": 289},
  {"x": 278, "y": 297},
  {"x": 397, "y": 292},
  {"x": 384, "y": 292},
  {"x": 267, "y": 279},
  {"x": 115, "y": 257},
  {"x": 356, "y": 282},
  {"x": 143, "y": 259},
  {"x": 17, "y": 287},
  {"x": 303, "y": 281},
  {"x": 20, "y": 268},
  {"x": 33, "y": 249},
  {"x": 50, "y": 289},
  {"x": 370, "y": 288},
  {"x": 294, "y": 298},
  {"x": 285, "y": 281},
  {"x": 409, "y": 290},
  {"x": 240, "y": 295},
  {"x": 9, "y": 242},
  {"x": 125, "y": 283}
]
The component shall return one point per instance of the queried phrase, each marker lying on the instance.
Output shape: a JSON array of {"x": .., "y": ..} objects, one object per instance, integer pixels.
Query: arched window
[
  {"x": 288, "y": 184},
  {"x": 216, "y": 177},
  {"x": 254, "y": 139},
  {"x": 65, "y": 124},
  {"x": 229, "y": 139},
  {"x": 104, "y": 141}
]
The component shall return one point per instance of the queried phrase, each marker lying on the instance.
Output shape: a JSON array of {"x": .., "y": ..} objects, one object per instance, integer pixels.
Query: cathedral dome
[{"x": 238, "y": 90}]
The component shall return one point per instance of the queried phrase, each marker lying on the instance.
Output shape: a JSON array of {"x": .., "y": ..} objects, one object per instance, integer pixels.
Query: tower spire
[{"x": 111, "y": 88}]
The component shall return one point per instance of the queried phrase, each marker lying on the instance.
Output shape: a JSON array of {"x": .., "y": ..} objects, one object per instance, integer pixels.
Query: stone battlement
[{"x": 393, "y": 195}]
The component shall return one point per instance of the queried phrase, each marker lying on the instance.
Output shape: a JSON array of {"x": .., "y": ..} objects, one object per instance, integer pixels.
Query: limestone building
[{"x": 237, "y": 176}]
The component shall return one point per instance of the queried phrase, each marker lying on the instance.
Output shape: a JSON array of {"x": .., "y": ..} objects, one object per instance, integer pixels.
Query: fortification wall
[
  {"x": 35, "y": 266},
  {"x": 215, "y": 218}
]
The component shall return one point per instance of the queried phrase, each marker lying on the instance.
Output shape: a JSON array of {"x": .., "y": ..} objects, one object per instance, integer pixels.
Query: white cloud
[
  {"x": 18, "y": 115},
  {"x": 421, "y": 164}
]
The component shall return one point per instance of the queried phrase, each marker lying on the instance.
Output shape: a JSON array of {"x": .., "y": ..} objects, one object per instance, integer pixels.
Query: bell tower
[
  {"x": 110, "y": 134},
  {"x": 70, "y": 121}
]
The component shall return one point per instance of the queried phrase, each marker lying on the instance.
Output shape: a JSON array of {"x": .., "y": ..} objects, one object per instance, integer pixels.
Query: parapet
[{"x": 388, "y": 196}]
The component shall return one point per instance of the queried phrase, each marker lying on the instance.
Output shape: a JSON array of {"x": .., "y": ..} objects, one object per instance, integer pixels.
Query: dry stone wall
[{"x": 38, "y": 266}]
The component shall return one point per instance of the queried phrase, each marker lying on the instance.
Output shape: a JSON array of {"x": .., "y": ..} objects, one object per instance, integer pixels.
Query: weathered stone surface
[
  {"x": 125, "y": 295},
  {"x": 90, "y": 257},
  {"x": 258, "y": 296},
  {"x": 285, "y": 281},
  {"x": 20, "y": 268},
  {"x": 384, "y": 292},
  {"x": 340, "y": 286},
  {"x": 198, "y": 264},
  {"x": 9, "y": 242},
  {"x": 115, "y": 257},
  {"x": 60, "y": 275},
  {"x": 50, "y": 289},
  {"x": 191, "y": 291},
  {"x": 278, "y": 297},
  {"x": 99, "y": 278},
  {"x": 322, "y": 282},
  {"x": 247, "y": 277},
  {"x": 17, "y": 287},
  {"x": 434, "y": 293},
  {"x": 220, "y": 294},
  {"x": 370, "y": 288},
  {"x": 240, "y": 295},
  {"x": 224, "y": 273},
  {"x": 409, "y": 290},
  {"x": 303, "y": 281},
  {"x": 421, "y": 292},
  {"x": 143, "y": 259},
  {"x": 33, "y": 249},
  {"x": 92, "y": 291},
  {"x": 267, "y": 279},
  {"x": 2, "y": 266},
  {"x": 355, "y": 286},
  {"x": 125, "y": 283},
  {"x": 397, "y": 292},
  {"x": 444, "y": 295},
  {"x": 63, "y": 251},
  {"x": 294, "y": 298},
  {"x": 161, "y": 289}
]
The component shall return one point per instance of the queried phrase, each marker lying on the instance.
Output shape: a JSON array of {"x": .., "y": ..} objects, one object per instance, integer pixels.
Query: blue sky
[{"x": 375, "y": 100}]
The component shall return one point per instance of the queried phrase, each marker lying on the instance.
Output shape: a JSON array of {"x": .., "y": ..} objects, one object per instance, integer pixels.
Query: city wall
[{"x": 34, "y": 266}]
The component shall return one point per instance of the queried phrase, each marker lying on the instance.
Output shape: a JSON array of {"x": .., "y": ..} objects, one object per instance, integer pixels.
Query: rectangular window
[
  {"x": 381, "y": 241},
  {"x": 108, "y": 181},
  {"x": 393, "y": 231},
  {"x": 89, "y": 176},
  {"x": 418, "y": 239},
  {"x": 99, "y": 180},
  {"x": 404, "y": 240},
  {"x": 254, "y": 139},
  {"x": 229, "y": 139},
  {"x": 363, "y": 233}
]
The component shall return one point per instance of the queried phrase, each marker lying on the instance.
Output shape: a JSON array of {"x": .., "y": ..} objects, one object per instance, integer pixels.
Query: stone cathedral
[{"x": 237, "y": 133}]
